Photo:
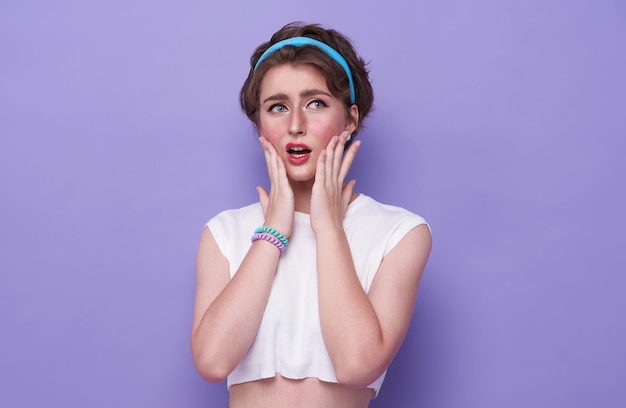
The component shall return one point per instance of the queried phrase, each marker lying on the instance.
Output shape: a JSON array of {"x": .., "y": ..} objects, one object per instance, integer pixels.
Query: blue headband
[{"x": 299, "y": 42}]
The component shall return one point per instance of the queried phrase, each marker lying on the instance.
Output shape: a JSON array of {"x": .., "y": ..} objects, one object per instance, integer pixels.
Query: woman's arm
[
  {"x": 363, "y": 332},
  {"x": 227, "y": 312}
]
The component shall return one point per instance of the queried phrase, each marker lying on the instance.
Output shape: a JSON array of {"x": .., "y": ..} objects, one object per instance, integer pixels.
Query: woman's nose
[{"x": 297, "y": 126}]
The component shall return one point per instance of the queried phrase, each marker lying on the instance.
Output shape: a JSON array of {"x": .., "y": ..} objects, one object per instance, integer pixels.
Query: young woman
[{"x": 304, "y": 298}]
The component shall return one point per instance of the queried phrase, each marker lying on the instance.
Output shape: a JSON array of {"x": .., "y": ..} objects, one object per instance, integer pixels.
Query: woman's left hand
[{"x": 330, "y": 196}]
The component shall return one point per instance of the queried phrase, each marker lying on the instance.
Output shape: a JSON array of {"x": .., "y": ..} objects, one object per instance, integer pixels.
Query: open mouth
[{"x": 298, "y": 151}]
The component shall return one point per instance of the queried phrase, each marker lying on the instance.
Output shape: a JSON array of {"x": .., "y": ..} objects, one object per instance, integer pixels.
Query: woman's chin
[{"x": 301, "y": 177}]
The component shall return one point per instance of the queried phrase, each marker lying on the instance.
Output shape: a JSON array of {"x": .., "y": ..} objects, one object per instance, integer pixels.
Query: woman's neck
[{"x": 302, "y": 195}]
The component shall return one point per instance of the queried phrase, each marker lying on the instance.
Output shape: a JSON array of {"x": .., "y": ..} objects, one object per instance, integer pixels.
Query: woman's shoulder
[
  {"x": 249, "y": 213},
  {"x": 366, "y": 206}
]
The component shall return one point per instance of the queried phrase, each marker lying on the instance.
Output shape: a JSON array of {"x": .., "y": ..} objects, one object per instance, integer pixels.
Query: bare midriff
[{"x": 306, "y": 393}]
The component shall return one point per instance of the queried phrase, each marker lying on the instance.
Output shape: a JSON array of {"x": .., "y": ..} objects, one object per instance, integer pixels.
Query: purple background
[{"x": 501, "y": 122}]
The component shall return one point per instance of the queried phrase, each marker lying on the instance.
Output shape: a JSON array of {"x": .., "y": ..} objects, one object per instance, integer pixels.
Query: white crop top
[{"x": 289, "y": 340}]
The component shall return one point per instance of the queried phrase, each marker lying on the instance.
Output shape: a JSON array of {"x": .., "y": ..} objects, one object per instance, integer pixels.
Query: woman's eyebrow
[
  {"x": 304, "y": 94},
  {"x": 276, "y": 97},
  {"x": 312, "y": 92}
]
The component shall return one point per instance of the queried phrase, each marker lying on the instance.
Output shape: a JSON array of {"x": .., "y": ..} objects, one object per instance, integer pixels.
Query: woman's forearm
[
  {"x": 230, "y": 323},
  {"x": 362, "y": 331},
  {"x": 351, "y": 330}
]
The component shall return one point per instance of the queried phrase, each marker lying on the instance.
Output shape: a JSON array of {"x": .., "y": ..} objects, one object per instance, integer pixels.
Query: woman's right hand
[{"x": 278, "y": 205}]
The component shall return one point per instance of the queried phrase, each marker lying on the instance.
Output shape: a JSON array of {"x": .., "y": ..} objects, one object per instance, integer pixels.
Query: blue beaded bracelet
[{"x": 270, "y": 230}]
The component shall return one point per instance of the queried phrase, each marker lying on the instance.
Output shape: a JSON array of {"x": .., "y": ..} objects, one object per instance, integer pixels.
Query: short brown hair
[{"x": 336, "y": 78}]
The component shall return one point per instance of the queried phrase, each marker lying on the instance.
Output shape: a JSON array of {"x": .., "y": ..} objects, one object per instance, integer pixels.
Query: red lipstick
[{"x": 297, "y": 153}]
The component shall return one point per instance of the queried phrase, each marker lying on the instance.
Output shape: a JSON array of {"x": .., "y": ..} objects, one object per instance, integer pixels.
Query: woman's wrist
[
  {"x": 271, "y": 235},
  {"x": 328, "y": 230},
  {"x": 279, "y": 227}
]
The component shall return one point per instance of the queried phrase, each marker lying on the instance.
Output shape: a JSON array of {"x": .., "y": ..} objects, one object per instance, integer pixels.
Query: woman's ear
[{"x": 352, "y": 122}]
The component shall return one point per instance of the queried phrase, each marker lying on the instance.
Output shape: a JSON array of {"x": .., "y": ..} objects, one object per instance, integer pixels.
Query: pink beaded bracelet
[{"x": 269, "y": 238}]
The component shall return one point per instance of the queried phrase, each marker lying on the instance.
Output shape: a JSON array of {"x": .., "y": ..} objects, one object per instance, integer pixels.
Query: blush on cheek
[
  {"x": 270, "y": 136},
  {"x": 266, "y": 130},
  {"x": 327, "y": 131}
]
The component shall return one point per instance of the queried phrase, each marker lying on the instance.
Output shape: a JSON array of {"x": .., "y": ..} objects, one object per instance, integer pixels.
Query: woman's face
[{"x": 299, "y": 116}]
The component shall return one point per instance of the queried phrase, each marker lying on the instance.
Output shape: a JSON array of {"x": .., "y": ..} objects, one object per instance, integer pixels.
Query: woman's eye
[
  {"x": 278, "y": 108},
  {"x": 317, "y": 104}
]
